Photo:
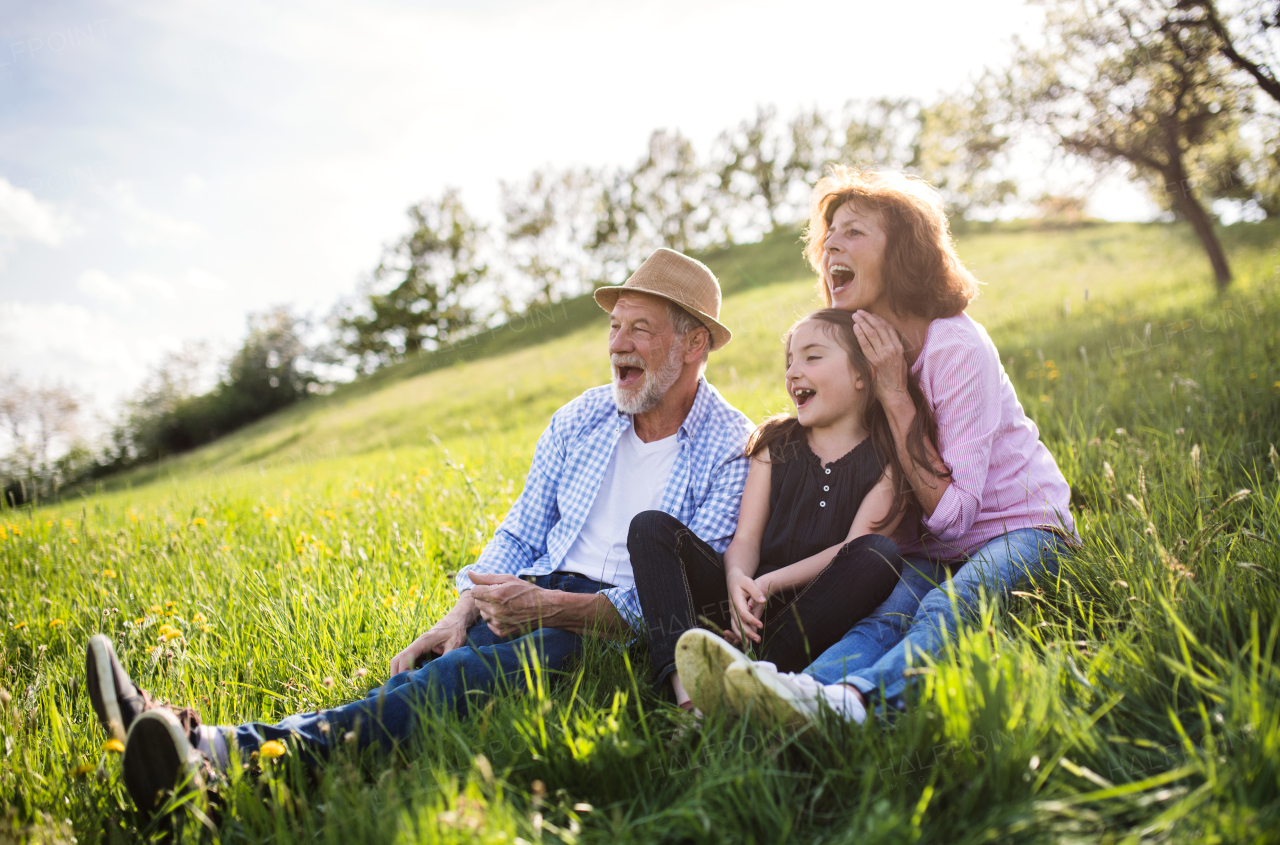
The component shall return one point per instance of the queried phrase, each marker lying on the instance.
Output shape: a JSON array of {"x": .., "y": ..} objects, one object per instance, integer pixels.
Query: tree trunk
[{"x": 1189, "y": 204}]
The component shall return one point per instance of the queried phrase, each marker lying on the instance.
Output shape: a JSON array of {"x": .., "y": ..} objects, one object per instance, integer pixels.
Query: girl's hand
[
  {"x": 883, "y": 347},
  {"x": 747, "y": 600}
]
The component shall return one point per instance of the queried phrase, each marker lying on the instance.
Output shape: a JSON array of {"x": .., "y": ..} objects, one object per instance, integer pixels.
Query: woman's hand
[
  {"x": 747, "y": 597},
  {"x": 883, "y": 347}
]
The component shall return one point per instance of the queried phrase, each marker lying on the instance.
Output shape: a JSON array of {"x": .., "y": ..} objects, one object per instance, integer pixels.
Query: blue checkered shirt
[{"x": 704, "y": 490}]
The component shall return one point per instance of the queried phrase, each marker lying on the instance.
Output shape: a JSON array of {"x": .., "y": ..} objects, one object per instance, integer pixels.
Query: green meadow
[{"x": 1134, "y": 698}]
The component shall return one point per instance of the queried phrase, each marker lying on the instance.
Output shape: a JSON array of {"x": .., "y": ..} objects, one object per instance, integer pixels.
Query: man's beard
[{"x": 656, "y": 382}]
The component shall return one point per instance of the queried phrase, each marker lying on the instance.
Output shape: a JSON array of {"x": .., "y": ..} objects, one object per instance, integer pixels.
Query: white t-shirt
[{"x": 634, "y": 481}]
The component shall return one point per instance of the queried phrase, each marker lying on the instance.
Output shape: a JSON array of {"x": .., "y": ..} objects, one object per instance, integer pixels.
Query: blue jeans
[
  {"x": 919, "y": 619},
  {"x": 453, "y": 681}
]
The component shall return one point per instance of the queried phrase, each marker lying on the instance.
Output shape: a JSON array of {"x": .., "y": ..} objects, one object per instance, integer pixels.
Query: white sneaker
[
  {"x": 701, "y": 661},
  {"x": 793, "y": 699}
]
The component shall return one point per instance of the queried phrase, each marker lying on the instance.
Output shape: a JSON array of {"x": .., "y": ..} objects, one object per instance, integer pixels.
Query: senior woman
[{"x": 994, "y": 503}]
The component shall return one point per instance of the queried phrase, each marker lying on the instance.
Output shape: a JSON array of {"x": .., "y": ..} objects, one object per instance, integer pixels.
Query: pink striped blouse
[{"x": 1003, "y": 477}]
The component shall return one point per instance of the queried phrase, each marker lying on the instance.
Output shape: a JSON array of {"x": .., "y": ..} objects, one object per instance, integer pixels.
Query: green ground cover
[{"x": 1135, "y": 698}]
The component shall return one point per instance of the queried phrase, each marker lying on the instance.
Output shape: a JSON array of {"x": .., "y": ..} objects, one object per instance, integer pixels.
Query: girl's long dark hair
[{"x": 781, "y": 434}]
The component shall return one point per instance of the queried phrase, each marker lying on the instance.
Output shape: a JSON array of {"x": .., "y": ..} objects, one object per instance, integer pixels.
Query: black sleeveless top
[{"x": 811, "y": 506}]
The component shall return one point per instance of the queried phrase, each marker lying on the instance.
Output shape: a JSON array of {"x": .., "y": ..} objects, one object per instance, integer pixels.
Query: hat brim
[{"x": 607, "y": 297}]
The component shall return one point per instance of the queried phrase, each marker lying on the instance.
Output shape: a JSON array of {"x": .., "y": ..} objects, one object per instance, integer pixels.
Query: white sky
[{"x": 168, "y": 167}]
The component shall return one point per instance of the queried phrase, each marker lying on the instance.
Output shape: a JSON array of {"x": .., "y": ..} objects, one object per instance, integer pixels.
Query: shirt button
[
  {"x": 828, "y": 472},
  {"x": 825, "y": 488},
  {"x": 822, "y": 504}
]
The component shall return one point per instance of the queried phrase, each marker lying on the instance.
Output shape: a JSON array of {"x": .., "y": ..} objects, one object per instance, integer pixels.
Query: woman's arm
[
  {"x": 883, "y": 348},
  {"x": 875, "y": 506},
  {"x": 742, "y": 558}
]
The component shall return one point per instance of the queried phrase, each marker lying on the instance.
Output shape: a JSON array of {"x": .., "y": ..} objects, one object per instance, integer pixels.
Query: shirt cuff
[
  {"x": 946, "y": 516},
  {"x": 625, "y": 601}
]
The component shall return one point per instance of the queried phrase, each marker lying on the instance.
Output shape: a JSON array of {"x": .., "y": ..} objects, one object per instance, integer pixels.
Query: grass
[{"x": 1136, "y": 697}]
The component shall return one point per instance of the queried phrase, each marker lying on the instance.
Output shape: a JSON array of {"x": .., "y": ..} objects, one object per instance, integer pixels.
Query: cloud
[
  {"x": 130, "y": 287},
  {"x": 99, "y": 285},
  {"x": 203, "y": 280},
  {"x": 141, "y": 226},
  {"x": 76, "y": 345},
  {"x": 25, "y": 217}
]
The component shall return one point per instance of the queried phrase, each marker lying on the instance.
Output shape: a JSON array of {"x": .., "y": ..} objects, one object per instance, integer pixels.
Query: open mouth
[
  {"x": 628, "y": 376},
  {"x": 802, "y": 395},
  {"x": 841, "y": 277}
]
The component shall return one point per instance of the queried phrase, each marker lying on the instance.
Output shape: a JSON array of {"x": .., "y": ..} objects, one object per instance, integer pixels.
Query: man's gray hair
[{"x": 682, "y": 322}]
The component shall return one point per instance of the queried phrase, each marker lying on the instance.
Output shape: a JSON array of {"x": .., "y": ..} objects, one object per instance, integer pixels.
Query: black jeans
[{"x": 681, "y": 580}]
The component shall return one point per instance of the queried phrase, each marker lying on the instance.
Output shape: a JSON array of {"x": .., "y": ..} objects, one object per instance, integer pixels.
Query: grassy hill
[{"x": 1136, "y": 697}]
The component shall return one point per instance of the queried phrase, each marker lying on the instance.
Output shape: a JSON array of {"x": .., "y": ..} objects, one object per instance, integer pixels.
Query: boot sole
[
  {"x": 158, "y": 760},
  {"x": 102, "y": 686},
  {"x": 701, "y": 661},
  {"x": 765, "y": 696}
]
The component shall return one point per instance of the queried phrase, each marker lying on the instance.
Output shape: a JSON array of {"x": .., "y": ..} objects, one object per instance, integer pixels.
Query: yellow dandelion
[
  {"x": 171, "y": 604},
  {"x": 199, "y": 520},
  {"x": 204, "y": 629},
  {"x": 1053, "y": 374},
  {"x": 66, "y": 523},
  {"x": 1044, "y": 397},
  {"x": 166, "y": 629},
  {"x": 225, "y": 548},
  {"x": 113, "y": 745},
  {"x": 82, "y": 770},
  {"x": 271, "y": 749},
  {"x": 172, "y": 635},
  {"x": 477, "y": 549},
  {"x": 108, "y": 573},
  {"x": 54, "y": 623},
  {"x": 155, "y": 608},
  {"x": 138, "y": 621},
  {"x": 19, "y": 626},
  {"x": 74, "y": 541},
  {"x": 199, "y": 617}
]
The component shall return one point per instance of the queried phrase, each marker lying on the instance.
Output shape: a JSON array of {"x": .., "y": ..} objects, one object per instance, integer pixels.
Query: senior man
[{"x": 557, "y": 569}]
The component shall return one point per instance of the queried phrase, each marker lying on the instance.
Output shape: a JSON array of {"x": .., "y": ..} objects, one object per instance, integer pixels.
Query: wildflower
[
  {"x": 113, "y": 745},
  {"x": 170, "y": 604},
  {"x": 108, "y": 573},
  {"x": 271, "y": 749},
  {"x": 1044, "y": 398},
  {"x": 76, "y": 542},
  {"x": 138, "y": 621},
  {"x": 54, "y": 623},
  {"x": 477, "y": 549},
  {"x": 204, "y": 629},
  {"x": 155, "y": 608},
  {"x": 199, "y": 617},
  {"x": 82, "y": 770},
  {"x": 361, "y": 672},
  {"x": 328, "y": 682},
  {"x": 199, "y": 520},
  {"x": 19, "y": 626},
  {"x": 225, "y": 548}
]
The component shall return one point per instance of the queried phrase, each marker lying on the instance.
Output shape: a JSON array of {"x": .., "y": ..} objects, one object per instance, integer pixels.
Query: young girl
[{"x": 812, "y": 553}]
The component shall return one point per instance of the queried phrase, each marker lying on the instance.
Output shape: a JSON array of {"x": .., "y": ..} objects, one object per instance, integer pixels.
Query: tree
[
  {"x": 879, "y": 133},
  {"x": 750, "y": 169},
  {"x": 40, "y": 424},
  {"x": 416, "y": 298},
  {"x": 958, "y": 142},
  {"x": 1115, "y": 83},
  {"x": 549, "y": 221},
  {"x": 1250, "y": 40},
  {"x": 667, "y": 196}
]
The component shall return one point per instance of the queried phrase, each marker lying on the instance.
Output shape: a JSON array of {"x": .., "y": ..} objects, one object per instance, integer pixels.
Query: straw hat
[{"x": 676, "y": 278}]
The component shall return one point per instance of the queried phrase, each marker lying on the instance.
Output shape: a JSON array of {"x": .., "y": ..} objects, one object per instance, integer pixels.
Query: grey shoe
[
  {"x": 792, "y": 699},
  {"x": 159, "y": 760},
  {"x": 701, "y": 661},
  {"x": 115, "y": 698}
]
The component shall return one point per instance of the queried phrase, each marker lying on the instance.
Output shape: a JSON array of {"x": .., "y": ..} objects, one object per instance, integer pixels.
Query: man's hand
[
  {"x": 446, "y": 635},
  {"x": 509, "y": 604}
]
